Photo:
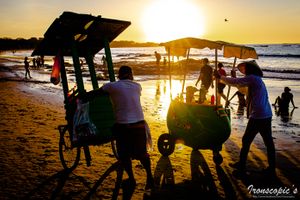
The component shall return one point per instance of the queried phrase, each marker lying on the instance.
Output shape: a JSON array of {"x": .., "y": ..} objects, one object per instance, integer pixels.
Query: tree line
[{"x": 21, "y": 43}]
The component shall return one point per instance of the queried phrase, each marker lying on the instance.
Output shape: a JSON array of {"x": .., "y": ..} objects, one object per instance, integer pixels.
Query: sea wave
[
  {"x": 283, "y": 71},
  {"x": 280, "y": 55}
]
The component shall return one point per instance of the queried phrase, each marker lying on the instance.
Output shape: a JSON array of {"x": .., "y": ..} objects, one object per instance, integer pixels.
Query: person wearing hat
[
  {"x": 259, "y": 113},
  {"x": 130, "y": 127},
  {"x": 284, "y": 101}
]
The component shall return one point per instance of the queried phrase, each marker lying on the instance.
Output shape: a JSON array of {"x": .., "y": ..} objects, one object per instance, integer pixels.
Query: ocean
[
  {"x": 279, "y": 62},
  {"x": 276, "y": 60}
]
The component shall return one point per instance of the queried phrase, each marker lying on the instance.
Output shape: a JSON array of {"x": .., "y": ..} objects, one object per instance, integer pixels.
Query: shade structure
[
  {"x": 239, "y": 51},
  {"x": 89, "y": 34},
  {"x": 180, "y": 46}
]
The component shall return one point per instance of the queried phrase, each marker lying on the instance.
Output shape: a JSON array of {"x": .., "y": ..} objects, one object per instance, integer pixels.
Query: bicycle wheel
[
  {"x": 69, "y": 156},
  {"x": 166, "y": 144}
]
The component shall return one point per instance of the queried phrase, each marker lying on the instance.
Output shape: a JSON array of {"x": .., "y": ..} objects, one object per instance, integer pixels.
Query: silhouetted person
[
  {"x": 130, "y": 127},
  {"x": 221, "y": 86},
  {"x": 158, "y": 57},
  {"x": 34, "y": 63},
  {"x": 42, "y": 61},
  {"x": 38, "y": 62},
  {"x": 259, "y": 113},
  {"x": 165, "y": 61},
  {"x": 284, "y": 101},
  {"x": 26, "y": 65},
  {"x": 206, "y": 78}
]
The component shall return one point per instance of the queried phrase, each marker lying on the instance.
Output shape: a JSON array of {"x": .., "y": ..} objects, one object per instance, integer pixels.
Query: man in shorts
[{"x": 130, "y": 126}]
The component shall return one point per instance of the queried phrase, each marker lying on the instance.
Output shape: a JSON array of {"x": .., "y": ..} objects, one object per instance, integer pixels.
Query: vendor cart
[
  {"x": 81, "y": 36},
  {"x": 198, "y": 125}
]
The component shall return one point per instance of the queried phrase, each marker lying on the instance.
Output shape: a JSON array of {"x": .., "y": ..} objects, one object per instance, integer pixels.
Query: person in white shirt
[{"x": 130, "y": 126}]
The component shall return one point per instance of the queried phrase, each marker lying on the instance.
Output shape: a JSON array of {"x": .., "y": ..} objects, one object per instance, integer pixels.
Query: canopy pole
[
  {"x": 77, "y": 67},
  {"x": 110, "y": 66},
  {"x": 170, "y": 76},
  {"x": 64, "y": 79},
  {"x": 184, "y": 76},
  {"x": 90, "y": 62},
  {"x": 216, "y": 81},
  {"x": 228, "y": 91}
]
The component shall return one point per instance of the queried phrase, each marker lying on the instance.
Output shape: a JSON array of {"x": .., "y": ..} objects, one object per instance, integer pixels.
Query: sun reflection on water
[{"x": 157, "y": 95}]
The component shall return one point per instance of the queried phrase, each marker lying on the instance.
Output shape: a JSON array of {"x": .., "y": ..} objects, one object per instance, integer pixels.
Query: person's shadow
[
  {"x": 201, "y": 176},
  {"x": 163, "y": 174},
  {"x": 115, "y": 167},
  {"x": 201, "y": 183},
  {"x": 54, "y": 185},
  {"x": 127, "y": 188}
]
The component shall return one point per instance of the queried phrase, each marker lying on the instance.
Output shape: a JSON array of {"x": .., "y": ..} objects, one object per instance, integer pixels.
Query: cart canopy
[
  {"x": 179, "y": 47},
  {"x": 238, "y": 51},
  {"x": 87, "y": 32}
]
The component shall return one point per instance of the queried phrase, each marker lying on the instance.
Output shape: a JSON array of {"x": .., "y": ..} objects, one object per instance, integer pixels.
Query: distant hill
[{"x": 21, "y": 43}]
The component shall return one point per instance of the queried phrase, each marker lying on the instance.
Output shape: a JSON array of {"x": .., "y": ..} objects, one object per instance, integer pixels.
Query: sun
[{"x": 166, "y": 20}]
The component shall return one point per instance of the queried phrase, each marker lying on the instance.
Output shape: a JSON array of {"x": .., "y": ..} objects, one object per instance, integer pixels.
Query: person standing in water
[{"x": 285, "y": 99}]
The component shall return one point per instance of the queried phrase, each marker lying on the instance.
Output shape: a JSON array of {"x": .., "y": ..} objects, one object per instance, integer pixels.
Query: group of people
[
  {"x": 38, "y": 62},
  {"x": 259, "y": 110},
  {"x": 258, "y": 106},
  {"x": 130, "y": 127},
  {"x": 206, "y": 78}
]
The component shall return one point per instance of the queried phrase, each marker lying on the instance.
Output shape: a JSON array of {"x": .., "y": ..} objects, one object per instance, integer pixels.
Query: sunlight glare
[
  {"x": 164, "y": 94},
  {"x": 165, "y": 20}
]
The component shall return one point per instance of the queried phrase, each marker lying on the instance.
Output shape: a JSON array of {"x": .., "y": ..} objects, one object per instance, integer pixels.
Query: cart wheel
[
  {"x": 69, "y": 156},
  {"x": 114, "y": 148},
  {"x": 217, "y": 157},
  {"x": 166, "y": 144}
]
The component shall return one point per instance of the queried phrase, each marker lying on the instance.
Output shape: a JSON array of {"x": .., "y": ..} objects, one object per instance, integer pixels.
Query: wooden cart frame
[{"x": 82, "y": 36}]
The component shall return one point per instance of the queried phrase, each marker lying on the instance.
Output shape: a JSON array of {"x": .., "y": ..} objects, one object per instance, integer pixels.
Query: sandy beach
[{"x": 31, "y": 169}]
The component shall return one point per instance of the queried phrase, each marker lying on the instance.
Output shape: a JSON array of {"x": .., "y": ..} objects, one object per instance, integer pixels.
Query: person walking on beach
[
  {"x": 38, "y": 62},
  {"x": 34, "y": 63},
  {"x": 260, "y": 113},
  {"x": 284, "y": 101},
  {"x": 158, "y": 57},
  {"x": 26, "y": 64},
  {"x": 42, "y": 61},
  {"x": 206, "y": 78},
  {"x": 130, "y": 126},
  {"x": 221, "y": 86},
  {"x": 104, "y": 62}
]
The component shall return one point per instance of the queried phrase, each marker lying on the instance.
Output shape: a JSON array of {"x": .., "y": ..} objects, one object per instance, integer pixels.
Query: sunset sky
[{"x": 249, "y": 22}]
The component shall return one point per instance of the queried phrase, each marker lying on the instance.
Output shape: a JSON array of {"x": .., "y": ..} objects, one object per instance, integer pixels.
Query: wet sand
[{"x": 31, "y": 169}]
